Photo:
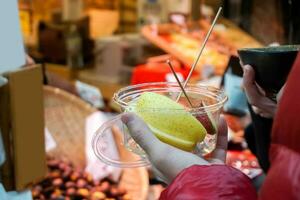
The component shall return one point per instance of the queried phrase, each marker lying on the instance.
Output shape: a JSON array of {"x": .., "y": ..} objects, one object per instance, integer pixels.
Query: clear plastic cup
[{"x": 207, "y": 104}]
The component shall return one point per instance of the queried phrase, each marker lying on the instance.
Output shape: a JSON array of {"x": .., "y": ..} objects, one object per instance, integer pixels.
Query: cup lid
[{"x": 112, "y": 135}]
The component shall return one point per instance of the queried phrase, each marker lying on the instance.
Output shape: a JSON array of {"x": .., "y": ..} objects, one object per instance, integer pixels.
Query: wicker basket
[{"x": 65, "y": 116}]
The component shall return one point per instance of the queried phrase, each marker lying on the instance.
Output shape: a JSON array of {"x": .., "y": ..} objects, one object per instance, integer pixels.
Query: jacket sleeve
[
  {"x": 283, "y": 178},
  {"x": 210, "y": 182}
]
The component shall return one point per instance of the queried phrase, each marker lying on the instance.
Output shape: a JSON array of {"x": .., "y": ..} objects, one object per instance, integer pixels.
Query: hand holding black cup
[{"x": 271, "y": 65}]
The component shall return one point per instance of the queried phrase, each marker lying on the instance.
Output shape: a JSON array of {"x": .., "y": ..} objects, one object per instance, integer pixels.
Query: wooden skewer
[
  {"x": 178, "y": 81},
  {"x": 200, "y": 52}
]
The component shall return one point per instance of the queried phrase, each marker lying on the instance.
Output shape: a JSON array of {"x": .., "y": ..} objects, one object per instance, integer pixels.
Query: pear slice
[{"x": 169, "y": 121}]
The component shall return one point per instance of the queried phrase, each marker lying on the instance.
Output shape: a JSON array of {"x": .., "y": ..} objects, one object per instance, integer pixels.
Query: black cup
[{"x": 271, "y": 65}]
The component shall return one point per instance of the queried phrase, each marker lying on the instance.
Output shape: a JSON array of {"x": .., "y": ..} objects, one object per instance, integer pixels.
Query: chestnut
[
  {"x": 41, "y": 197},
  {"x": 48, "y": 191},
  {"x": 75, "y": 175},
  {"x": 83, "y": 192},
  {"x": 71, "y": 191},
  {"x": 88, "y": 177},
  {"x": 81, "y": 183},
  {"x": 98, "y": 196},
  {"x": 89, "y": 187},
  {"x": 70, "y": 184},
  {"x": 79, "y": 171},
  {"x": 60, "y": 198},
  {"x": 57, "y": 182},
  {"x": 54, "y": 196},
  {"x": 98, "y": 188},
  {"x": 62, "y": 166},
  {"x": 54, "y": 174},
  {"x": 66, "y": 173},
  {"x": 57, "y": 191},
  {"x": 65, "y": 182}
]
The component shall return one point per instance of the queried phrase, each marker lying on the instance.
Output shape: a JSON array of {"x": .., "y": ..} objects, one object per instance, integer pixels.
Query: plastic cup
[{"x": 207, "y": 105}]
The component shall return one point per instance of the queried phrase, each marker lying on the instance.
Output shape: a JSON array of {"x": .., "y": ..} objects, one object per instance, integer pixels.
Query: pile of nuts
[{"x": 63, "y": 182}]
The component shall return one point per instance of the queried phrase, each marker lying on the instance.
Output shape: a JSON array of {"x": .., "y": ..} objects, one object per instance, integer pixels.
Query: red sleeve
[
  {"x": 286, "y": 126},
  {"x": 210, "y": 182},
  {"x": 283, "y": 178}
]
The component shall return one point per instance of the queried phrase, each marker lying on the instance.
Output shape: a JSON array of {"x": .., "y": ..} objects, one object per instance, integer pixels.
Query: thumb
[
  {"x": 140, "y": 132},
  {"x": 222, "y": 141},
  {"x": 250, "y": 87},
  {"x": 248, "y": 76}
]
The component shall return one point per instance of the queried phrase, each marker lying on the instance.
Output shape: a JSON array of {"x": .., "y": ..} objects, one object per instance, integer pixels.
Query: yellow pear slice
[{"x": 169, "y": 121}]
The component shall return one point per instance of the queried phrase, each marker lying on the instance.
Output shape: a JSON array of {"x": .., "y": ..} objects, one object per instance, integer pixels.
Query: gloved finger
[
  {"x": 241, "y": 63},
  {"x": 167, "y": 159},
  {"x": 256, "y": 110},
  {"x": 249, "y": 85},
  {"x": 159, "y": 175},
  {"x": 262, "y": 112},
  {"x": 260, "y": 90},
  {"x": 266, "y": 115},
  {"x": 279, "y": 95},
  {"x": 141, "y": 133},
  {"x": 222, "y": 141}
]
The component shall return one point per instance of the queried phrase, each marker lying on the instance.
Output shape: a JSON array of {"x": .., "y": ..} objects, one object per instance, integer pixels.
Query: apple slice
[
  {"x": 169, "y": 121},
  {"x": 207, "y": 120}
]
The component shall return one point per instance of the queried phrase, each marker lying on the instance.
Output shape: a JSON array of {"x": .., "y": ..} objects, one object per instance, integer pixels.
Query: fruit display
[
  {"x": 171, "y": 122},
  {"x": 64, "y": 182},
  {"x": 235, "y": 37},
  {"x": 189, "y": 47},
  {"x": 184, "y": 43}
]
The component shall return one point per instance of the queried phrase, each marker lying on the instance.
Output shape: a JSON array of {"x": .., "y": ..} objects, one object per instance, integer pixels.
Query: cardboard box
[{"x": 22, "y": 125}]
